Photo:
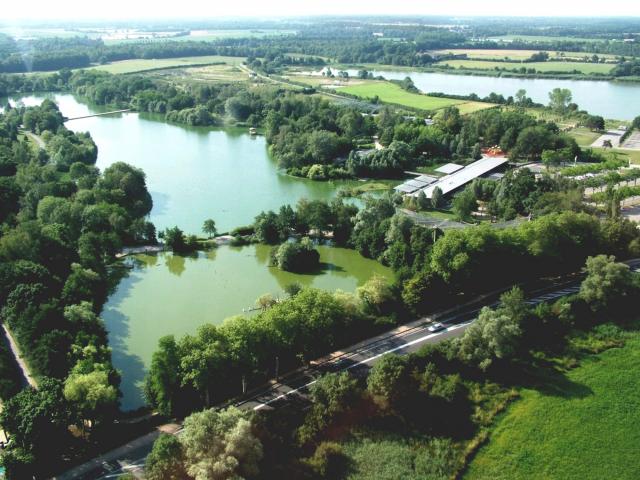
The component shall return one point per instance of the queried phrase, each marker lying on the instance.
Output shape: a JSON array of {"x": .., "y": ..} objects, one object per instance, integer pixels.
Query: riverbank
[{"x": 488, "y": 73}]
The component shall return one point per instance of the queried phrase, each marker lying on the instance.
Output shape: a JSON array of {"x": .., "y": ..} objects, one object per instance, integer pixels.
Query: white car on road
[{"x": 436, "y": 327}]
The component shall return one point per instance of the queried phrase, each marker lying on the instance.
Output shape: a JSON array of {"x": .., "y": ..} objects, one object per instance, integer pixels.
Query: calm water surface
[
  {"x": 615, "y": 100},
  {"x": 192, "y": 173},
  {"x": 170, "y": 294}
]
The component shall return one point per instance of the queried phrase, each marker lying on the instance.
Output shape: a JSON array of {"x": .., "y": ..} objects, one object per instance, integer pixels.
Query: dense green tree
[
  {"x": 178, "y": 242},
  {"x": 163, "y": 380},
  {"x": 296, "y": 256},
  {"x": 220, "y": 445},
  {"x": 389, "y": 380},
  {"x": 559, "y": 99},
  {"x": 166, "y": 460},
  {"x": 209, "y": 227},
  {"x": 423, "y": 201},
  {"x": 437, "y": 199},
  {"x": 376, "y": 295},
  {"x": 332, "y": 395},
  {"x": 266, "y": 228},
  {"x": 464, "y": 204},
  {"x": 495, "y": 334},
  {"x": 607, "y": 282},
  {"x": 37, "y": 420},
  {"x": 91, "y": 396},
  {"x": 125, "y": 185},
  {"x": 594, "y": 122},
  {"x": 82, "y": 285}
]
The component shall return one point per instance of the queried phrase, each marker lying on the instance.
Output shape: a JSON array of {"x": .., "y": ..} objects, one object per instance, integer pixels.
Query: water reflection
[{"x": 176, "y": 264}]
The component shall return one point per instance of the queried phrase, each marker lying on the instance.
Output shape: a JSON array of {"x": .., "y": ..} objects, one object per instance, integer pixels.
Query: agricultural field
[
  {"x": 586, "y": 68},
  {"x": 391, "y": 93},
  {"x": 542, "y": 38},
  {"x": 141, "y": 65},
  {"x": 499, "y": 54},
  {"x": 197, "y": 36},
  {"x": 204, "y": 74},
  {"x": 20, "y": 33},
  {"x": 580, "y": 426}
]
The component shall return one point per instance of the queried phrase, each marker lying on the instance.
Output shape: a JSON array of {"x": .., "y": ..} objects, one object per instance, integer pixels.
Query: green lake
[
  {"x": 194, "y": 174},
  {"x": 169, "y": 294}
]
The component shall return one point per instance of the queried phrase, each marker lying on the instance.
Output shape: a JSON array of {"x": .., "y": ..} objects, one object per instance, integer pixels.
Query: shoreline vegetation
[{"x": 491, "y": 73}]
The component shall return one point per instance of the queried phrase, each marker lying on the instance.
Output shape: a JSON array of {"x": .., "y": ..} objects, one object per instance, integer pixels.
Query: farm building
[{"x": 459, "y": 178}]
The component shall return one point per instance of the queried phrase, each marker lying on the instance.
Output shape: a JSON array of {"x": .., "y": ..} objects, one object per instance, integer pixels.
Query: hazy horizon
[{"x": 76, "y": 10}]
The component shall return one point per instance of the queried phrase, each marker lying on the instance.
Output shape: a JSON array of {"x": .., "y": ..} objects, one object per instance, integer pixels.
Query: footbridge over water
[{"x": 98, "y": 114}]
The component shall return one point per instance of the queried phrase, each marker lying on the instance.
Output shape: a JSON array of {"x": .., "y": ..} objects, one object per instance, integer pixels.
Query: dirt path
[
  {"x": 28, "y": 378},
  {"x": 36, "y": 138}
]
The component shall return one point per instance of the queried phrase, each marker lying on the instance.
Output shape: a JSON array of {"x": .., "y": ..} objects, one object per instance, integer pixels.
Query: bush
[
  {"x": 328, "y": 461},
  {"x": 243, "y": 231},
  {"x": 296, "y": 257}
]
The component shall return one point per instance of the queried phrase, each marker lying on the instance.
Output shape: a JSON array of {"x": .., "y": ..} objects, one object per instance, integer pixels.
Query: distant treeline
[{"x": 337, "y": 40}]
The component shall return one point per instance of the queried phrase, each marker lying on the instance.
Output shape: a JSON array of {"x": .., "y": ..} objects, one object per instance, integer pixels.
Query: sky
[{"x": 202, "y": 9}]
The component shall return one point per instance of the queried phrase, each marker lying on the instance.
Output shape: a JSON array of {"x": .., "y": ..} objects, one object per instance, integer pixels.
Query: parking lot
[{"x": 633, "y": 142}]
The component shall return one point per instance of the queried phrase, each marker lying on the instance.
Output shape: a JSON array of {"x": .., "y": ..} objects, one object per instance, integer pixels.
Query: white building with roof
[{"x": 461, "y": 177}]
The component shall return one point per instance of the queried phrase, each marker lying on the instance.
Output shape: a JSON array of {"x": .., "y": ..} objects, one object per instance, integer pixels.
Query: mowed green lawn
[
  {"x": 140, "y": 65},
  {"x": 584, "y": 136},
  {"x": 585, "y": 428},
  {"x": 568, "y": 67},
  {"x": 391, "y": 93}
]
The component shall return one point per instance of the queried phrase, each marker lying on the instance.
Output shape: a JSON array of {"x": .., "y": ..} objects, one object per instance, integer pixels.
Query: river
[{"x": 615, "y": 100}]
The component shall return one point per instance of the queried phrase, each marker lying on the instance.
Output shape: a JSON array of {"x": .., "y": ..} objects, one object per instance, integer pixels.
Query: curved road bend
[{"x": 357, "y": 359}]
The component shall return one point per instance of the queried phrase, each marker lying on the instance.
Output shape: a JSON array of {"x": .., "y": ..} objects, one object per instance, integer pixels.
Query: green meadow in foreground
[
  {"x": 584, "y": 428},
  {"x": 391, "y": 93}
]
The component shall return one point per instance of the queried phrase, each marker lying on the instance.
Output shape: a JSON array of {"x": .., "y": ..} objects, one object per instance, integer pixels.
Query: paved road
[{"x": 356, "y": 359}]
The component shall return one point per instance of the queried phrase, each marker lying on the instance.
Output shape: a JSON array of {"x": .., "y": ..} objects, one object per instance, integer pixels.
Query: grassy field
[
  {"x": 206, "y": 74},
  {"x": 499, "y": 54},
  {"x": 632, "y": 156},
  {"x": 584, "y": 136},
  {"x": 320, "y": 81},
  {"x": 602, "y": 68},
  {"x": 141, "y": 65},
  {"x": 581, "y": 427},
  {"x": 391, "y": 93}
]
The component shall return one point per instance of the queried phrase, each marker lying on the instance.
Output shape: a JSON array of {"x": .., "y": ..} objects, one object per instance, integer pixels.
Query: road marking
[{"x": 363, "y": 362}]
